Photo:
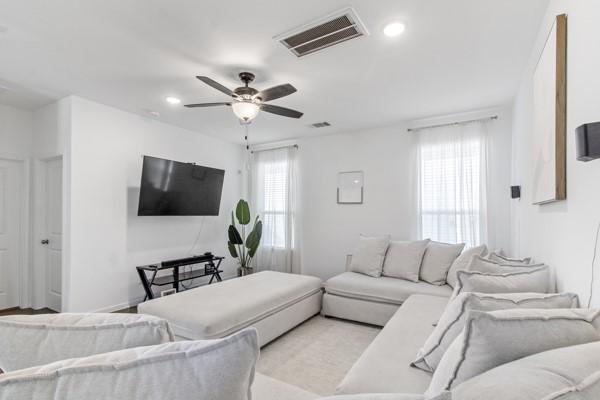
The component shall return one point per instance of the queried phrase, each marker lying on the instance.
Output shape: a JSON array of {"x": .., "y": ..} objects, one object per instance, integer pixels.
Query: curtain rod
[
  {"x": 275, "y": 148},
  {"x": 451, "y": 123}
]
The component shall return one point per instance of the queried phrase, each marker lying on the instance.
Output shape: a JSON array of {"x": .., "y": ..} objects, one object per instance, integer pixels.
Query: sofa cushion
[
  {"x": 384, "y": 289},
  {"x": 437, "y": 261},
  {"x": 403, "y": 259},
  {"x": 498, "y": 337},
  {"x": 453, "y": 320},
  {"x": 384, "y": 366},
  {"x": 533, "y": 280},
  {"x": 481, "y": 264},
  {"x": 369, "y": 255},
  {"x": 462, "y": 261},
  {"x": 29, "y": 340},
  {"x": 560, "y": 374},
  {"x": 500, "y": 259},
  {"x": 215, "y": 370}
]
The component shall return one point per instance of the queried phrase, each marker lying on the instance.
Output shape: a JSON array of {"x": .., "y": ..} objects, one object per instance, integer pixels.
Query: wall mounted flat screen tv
[{"x": 176, "y": 188}]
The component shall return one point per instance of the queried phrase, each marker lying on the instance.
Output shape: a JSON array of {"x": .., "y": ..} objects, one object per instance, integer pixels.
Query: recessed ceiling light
[
  {"x": 394, "y": 29},
  {"x": 173, "y": 100}
]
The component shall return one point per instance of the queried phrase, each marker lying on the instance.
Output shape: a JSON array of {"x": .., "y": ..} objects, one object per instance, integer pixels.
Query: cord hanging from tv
[{"x": 179, "y": 189}]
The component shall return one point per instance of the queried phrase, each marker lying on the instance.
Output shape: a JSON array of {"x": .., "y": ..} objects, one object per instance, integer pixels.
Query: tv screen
[{"x": 175, "y": 188}]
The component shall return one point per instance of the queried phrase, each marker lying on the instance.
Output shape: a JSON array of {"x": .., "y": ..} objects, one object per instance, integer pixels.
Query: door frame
[
  {"x": 38, "y": 251},
  {"x": 23, "y": 250}
]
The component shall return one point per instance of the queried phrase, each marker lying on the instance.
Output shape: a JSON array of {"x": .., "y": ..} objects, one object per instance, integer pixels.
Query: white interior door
[
  {"x": 53, "y": 240},
  {"x": 11, "y": 196}
]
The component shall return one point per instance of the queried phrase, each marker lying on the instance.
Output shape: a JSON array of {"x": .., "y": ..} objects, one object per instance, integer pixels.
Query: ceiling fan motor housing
[{"x": 246, "y": 77}]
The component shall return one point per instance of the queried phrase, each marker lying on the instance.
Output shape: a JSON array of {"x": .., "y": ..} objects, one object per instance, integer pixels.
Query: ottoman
[{"x": 271, "y": 302}]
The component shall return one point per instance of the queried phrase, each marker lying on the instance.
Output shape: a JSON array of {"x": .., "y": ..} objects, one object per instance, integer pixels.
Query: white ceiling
[{"x": 455, "y": 56}]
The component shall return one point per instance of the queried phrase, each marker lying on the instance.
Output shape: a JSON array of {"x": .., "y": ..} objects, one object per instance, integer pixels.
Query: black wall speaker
[
  {"x": 588, "y": 141},
  {"x": 515, "y": 192}
]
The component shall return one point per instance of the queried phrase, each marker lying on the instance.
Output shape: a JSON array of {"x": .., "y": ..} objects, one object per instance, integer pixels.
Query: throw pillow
[
  {"x": 453, "y": 319},
  {"x": 462, "y": 261},
  {"x": 498, "y": 337},
  {"x": 369, "y": 255},
  {"x": 403, "y": 259},
  {"x": 500, "y": 259},
  {"x": 536, "y": 377},
  {"x": 534, "y": 280},
  {"x": 437, "y": 261},
  {"x": 481, "y": 264},
  {"x": 205, "y": 369},
  {"x": 29, "y": 340}
]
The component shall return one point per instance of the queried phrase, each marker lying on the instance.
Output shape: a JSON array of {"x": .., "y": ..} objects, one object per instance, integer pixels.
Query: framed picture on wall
[
  {"x": 350, "y": 188},
  {"x": 550, "y": 116}
]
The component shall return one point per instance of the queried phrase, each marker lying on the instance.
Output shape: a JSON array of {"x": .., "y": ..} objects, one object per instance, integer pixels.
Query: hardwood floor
[
  {"x": 31, "y": 311},
  {"x": 26, "y": 311}
]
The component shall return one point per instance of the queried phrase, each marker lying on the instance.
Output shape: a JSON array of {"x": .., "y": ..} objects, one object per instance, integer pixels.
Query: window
[
  {"x": 452, "y": 184},
  {"x": 274, "y": 199}
]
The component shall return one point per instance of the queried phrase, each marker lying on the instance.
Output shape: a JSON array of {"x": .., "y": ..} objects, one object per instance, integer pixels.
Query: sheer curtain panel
[
  {"x": 274, "y": 197},
  {"x": 452, "y": 184}
]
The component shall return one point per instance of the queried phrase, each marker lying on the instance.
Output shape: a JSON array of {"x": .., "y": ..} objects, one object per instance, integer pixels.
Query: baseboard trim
[{"x": 138, "y": 300}]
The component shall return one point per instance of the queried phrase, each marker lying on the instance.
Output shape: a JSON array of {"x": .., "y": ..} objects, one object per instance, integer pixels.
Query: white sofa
[
  {"x": 384, "y": 367},
  {"x": 362, "y": 298}
]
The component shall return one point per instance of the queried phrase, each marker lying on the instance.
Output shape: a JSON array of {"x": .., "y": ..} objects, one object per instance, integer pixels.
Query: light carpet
[{"x": 316, "y": 355}]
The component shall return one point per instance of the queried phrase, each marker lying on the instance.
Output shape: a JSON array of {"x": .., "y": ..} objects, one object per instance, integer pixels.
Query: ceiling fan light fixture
[{"x": 245, "y": 110}]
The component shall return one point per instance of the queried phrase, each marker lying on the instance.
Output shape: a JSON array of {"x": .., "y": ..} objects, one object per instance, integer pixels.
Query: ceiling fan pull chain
[{"x": 246, "y": 136}]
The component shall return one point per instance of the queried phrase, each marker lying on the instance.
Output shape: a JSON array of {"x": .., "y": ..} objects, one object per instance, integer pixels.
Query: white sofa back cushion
[
  {"x": 500, "y": 259},
  {"x": 403, "y": 259},
  {"x": 537, "y": 377},
  {"x": 533, "y": 280},
  {"x": 207, "y": 370},
  {"x": 369, "y": 255},
  {"x": 462, "y": 261},
  {"x": 481, "y": 264},
  {"x": 453, "y": 320},
  {"x": 437, "y": 261},
  {"x": 498, "y": 337},
  {"x": 29, "y": 340}
]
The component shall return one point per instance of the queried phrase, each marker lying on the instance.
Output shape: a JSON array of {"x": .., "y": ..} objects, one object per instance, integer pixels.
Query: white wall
[
  {"x": 16, "y": 130},
  {"x": 107, "y": 238},
  {"x": 330, "y": 230},
  {"x": 386, "y": 155},
  {"x": 562, "y": 233}
]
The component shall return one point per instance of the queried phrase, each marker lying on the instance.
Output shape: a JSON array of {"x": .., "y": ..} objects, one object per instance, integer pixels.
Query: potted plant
[{"x": 243, "y": 247}]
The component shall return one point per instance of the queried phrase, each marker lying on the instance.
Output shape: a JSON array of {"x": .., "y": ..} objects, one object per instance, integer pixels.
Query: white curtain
[
  {"x": 452, "y": 187},
  {"x": 273, "y": 190}
]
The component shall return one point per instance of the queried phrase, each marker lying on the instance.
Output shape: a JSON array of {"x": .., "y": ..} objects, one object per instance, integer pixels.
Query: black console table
[{"x": 148, "y": 273}]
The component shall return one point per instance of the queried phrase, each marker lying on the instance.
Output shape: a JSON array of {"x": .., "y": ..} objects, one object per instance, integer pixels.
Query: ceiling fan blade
[
  {"x": 206, "y": 105},
  {"x": 276, "y": 92},
  {"x": 215, "y": 85},
  {"x": 286, "y": 112}
]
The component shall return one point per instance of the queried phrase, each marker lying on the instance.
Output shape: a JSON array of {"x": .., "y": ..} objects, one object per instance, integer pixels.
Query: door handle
[{"x": 45, "y": 241}]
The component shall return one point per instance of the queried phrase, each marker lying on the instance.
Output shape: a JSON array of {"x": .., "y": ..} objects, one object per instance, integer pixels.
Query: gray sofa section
[
  {"x": 384, "y": 367},
  {"x": 363, "y": 298}
]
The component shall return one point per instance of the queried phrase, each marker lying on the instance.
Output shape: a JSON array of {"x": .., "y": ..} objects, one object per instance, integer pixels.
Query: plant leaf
[
  {"x": 242, "y": 212},
  {"x": 254, "y": 239},
  {"x": 232, "y": 250},
  {"x": 234, "y": 235}
]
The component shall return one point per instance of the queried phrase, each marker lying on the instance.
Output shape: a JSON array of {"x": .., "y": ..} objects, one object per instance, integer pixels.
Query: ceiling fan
[{"x": 247, "y": 101}]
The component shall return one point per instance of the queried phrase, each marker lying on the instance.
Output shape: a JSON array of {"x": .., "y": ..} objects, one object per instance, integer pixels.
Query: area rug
[{"x": 316, "y": 355}]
